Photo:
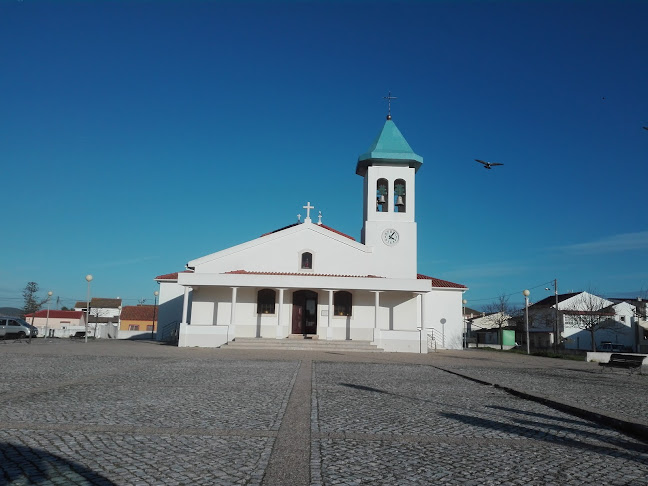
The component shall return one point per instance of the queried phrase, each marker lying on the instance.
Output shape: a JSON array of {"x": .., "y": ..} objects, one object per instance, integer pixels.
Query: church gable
[{"x": 305, "y": 247}]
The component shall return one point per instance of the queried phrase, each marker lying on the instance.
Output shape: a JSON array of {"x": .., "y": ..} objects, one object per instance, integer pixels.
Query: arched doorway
[{"x": 304, "y": 319}]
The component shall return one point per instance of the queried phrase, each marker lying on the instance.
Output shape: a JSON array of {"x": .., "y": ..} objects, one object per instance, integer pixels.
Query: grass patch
[
  {"x": 542, "y": 354},
  {"x": 551, "y": 354}
]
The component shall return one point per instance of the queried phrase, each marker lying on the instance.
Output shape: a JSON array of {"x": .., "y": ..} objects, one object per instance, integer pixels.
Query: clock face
[{"x": 390, "y": 237}]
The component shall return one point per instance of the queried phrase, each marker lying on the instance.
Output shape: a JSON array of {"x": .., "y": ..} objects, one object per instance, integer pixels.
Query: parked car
[
  {"x": 607, "y": 347},
  {"x": 13, "y": 327}
]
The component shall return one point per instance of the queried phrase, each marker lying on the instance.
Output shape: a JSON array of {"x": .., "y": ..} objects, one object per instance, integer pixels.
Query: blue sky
[{"x": 137, "y": 135}]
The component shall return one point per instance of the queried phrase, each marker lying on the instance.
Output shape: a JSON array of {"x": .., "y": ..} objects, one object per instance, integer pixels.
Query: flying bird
[
  {"x": 645, "y": 128},
  {"x": 488, "y": 165}
]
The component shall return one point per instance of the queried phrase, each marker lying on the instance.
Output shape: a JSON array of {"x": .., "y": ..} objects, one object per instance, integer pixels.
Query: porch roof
[{"x": 243, "y": 278}]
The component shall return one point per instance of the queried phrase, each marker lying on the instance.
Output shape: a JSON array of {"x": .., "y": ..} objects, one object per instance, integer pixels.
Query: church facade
[{"x": 307, "y": 279}]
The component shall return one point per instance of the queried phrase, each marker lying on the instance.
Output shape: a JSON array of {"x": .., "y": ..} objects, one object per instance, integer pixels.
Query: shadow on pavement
[
  {"x": 632, "y": 448},
  {"x": 540, "y": 415},
  {"x": 25, "y": 465}
]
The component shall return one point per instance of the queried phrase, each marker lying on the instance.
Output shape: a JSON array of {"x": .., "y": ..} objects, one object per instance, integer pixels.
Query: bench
[{"x": 628, "y": 361}]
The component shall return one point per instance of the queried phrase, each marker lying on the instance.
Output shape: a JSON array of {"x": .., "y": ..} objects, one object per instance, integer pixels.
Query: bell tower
[{"x": 389, "y": 168}]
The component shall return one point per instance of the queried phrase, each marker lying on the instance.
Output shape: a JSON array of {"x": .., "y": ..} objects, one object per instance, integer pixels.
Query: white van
[{"x": 13, "y": 327}]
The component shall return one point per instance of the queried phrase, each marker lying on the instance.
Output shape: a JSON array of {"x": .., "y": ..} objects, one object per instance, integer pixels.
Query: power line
[{"x": 519, "y": 292}]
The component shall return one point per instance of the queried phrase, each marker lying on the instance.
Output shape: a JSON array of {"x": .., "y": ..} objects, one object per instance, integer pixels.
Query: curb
[{"x": 634, "y": 429}]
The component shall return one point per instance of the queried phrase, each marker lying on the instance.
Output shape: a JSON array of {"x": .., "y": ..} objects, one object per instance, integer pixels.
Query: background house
[
  {"x": 138, "y": 321},
  {"x": 578, "y": 311},
  {"x": 104, "y": 316},
  {"x": 492, "y": 330},
  {"x": 60, "y": 324},
  {"x": 641, "y": 320}
]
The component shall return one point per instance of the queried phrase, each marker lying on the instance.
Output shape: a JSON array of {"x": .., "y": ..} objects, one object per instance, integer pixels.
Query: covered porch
[{"x": 388, "y": 313}]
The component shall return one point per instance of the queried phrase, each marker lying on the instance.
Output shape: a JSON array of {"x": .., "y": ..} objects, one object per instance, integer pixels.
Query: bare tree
[
  {"x": 98, "y": 314},
  {"x": 32, "y": 302},
  {"x": 591, "y": 313},
  {"x": 498, "y": 314}
]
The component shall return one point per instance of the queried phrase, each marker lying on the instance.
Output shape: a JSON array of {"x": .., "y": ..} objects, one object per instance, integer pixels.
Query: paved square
[{"x": 124, "y": 413}]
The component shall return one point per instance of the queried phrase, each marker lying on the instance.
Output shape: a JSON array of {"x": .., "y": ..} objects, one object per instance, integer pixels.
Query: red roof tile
[
  {"x": 437, "y": 282},
  {"x": 336, "y": 231},
  {"x": 171, "y": 276},
  {"x": 320, "y": 225},
  {"x": 280, "y": 229},
  {"x": 58, "y": 314},
  {"x": 138, "y": 313},
  {"x": 245, "y": 272}
]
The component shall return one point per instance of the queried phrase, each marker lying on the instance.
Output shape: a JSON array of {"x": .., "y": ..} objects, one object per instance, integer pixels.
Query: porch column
[
  {"x": 233, "y": 311},
  {"x": 185, "y": 304},
  {"x": 420, "y": 300},
  {"x": 280, "y": 314},
  {"x": 424, "y": 312},
  {"x": 329, "y": 328},
  {"x": 376, "y": 331}
]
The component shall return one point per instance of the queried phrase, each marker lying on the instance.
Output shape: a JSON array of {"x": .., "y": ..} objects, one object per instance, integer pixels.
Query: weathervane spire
[{"x": 389, "y": 97}]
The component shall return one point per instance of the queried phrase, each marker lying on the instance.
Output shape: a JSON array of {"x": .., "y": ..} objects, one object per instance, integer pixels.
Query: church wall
[
  {"x": 169, "y": 308},
  {"x": 251, "y": 324},
  {"x": 398, "y": 311},
  {"x": 203, "y": 307},
  {"x": 358, "y": 326},
  {"x": 283, "y": 254},
  {"x": 445, "y": 304}
]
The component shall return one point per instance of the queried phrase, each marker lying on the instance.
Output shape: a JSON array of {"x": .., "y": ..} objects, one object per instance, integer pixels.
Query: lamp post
[
  {"x": 119, "y": 309},
  {"x": 443, "y": 321},
  {"x": 49, "y": 296},
  {"x": 88, "y": 279},
  {"x": 464, "y": 302},
  {"x": 526, "y": 317},
  {"x": 155, "y": 294}
]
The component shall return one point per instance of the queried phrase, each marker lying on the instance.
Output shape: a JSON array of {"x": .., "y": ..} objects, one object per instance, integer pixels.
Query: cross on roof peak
[
  {"x": 389, "y": 97},
  {"x": 308, "y": 207}
]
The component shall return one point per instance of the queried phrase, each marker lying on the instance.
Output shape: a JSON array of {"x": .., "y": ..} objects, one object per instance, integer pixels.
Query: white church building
[{"x": 309, "y": 280}]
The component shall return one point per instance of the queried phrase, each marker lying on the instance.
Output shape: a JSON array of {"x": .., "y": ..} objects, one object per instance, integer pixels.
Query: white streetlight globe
[
  {"x": 156, "y": 293},
  {"x": 50, "y": 293},
  {"x": 526, "y": 293},
  {"x": 464, "y": 302},
  {"x": 88, "y": 278}
]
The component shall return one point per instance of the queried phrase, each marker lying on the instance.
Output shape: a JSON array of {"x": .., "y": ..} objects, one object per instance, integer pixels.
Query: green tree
[{"x": 32, "y": 302}]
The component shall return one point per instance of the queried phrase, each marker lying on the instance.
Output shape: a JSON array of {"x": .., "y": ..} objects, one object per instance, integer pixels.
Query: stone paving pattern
[
  {"x": 125, "y": 413},
  {"x": 419, "y": 425},
  {"x": 614, "y": 392}
]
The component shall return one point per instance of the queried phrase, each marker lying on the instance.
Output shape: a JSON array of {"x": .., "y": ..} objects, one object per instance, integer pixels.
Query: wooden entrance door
[{"x": 304, "y": 312}]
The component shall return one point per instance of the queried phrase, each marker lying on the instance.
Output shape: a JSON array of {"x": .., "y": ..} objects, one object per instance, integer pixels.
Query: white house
[
  {"x": 612, "y": 322},
  {"x": 103, "y": 321},
  {"x": 307, "y": 279}
]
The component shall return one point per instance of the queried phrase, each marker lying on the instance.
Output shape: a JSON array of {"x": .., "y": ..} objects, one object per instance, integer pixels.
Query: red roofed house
[
  {"x": 58, "y": 324},
  {"x": 307, "y": 279},
  {"x": 138, "y": 321}
]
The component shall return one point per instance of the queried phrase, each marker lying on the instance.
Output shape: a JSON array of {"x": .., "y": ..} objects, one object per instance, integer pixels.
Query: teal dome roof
[{"x": 389, "y": 148}]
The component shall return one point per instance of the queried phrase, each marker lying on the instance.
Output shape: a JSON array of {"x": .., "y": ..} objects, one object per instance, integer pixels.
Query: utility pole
[{"x": 556, "y": 329}]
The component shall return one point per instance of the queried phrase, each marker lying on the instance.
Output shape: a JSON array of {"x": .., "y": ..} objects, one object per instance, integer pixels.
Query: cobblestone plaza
[{"x": 131, "y": 413}]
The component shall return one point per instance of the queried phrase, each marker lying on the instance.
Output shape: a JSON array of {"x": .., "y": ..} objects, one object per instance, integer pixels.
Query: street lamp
[
  {"x": 88, "y": 279},
  {"x": 526, "y": 317},
  {"x": 156, "y": 293},
  {"x": 49, "y": 296},
  {"x": 464, "y": 302}
]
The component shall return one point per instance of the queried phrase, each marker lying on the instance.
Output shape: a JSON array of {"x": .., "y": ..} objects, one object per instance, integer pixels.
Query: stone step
[{"x": 302, "y": 344}]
